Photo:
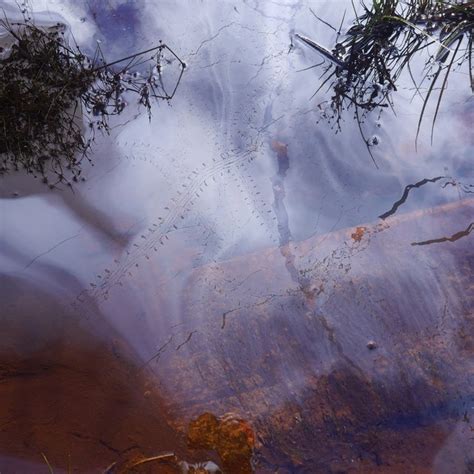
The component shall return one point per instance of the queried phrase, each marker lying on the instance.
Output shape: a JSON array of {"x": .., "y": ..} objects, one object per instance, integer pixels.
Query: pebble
[{"x": 371, "y": 345}]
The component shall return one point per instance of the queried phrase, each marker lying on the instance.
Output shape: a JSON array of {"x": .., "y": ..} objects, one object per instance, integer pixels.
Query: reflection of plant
[
  {"x": 46, "y": 85},
  {"x": 365, "y": 65}
]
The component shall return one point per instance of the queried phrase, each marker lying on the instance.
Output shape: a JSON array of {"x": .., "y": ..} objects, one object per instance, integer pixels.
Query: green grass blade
[
  {"x": 430, "y": 90},
  {"x": 443, "y": 87}
]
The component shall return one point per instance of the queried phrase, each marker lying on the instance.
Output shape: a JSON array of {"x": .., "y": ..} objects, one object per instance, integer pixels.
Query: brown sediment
[
  {"x": 299, "y": 368},
  {"x": 307, "y": 393},
  {"x": 71, "y": 391}
]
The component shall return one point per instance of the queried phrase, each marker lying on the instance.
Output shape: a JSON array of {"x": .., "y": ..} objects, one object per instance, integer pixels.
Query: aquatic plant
[
  {"x": 363, "y": 68},
  {"x": 49, "y": 88}
]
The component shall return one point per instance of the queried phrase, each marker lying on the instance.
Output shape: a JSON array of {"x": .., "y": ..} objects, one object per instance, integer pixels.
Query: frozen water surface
[{"x": 228, "y": 257}]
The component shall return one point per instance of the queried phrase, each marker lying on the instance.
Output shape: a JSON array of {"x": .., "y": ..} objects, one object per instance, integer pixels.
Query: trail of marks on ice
[{"x": 159, "y": 231}]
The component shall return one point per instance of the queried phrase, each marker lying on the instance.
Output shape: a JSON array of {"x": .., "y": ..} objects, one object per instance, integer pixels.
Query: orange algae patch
[{"x": 358, "y": 234}]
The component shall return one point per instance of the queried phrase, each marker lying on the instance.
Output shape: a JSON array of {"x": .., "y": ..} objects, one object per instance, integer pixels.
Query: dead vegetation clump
[{"x": 54, "y": 99}]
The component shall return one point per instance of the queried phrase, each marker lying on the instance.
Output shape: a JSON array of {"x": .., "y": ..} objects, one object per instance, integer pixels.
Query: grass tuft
[{"x": 364, "y": 66}]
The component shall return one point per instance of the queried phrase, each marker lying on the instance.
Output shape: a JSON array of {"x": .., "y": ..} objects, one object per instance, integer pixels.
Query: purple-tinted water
[{"x": 229, "y": 257}]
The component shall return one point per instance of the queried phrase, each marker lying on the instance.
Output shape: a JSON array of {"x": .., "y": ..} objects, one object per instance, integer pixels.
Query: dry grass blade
[
  {"x": 131, "y": 465},
  {"x": 47, "y": 463},
  {"x": 162, "y": 457}
]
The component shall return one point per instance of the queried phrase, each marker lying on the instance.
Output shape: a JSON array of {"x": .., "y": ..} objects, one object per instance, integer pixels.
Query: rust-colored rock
[
  {"x": 203, "y": 432},
  {"x": 230, "y": 436}
]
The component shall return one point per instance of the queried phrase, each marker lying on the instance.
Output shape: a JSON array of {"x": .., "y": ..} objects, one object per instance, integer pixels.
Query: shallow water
[{"x": 228, "y": 257}]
